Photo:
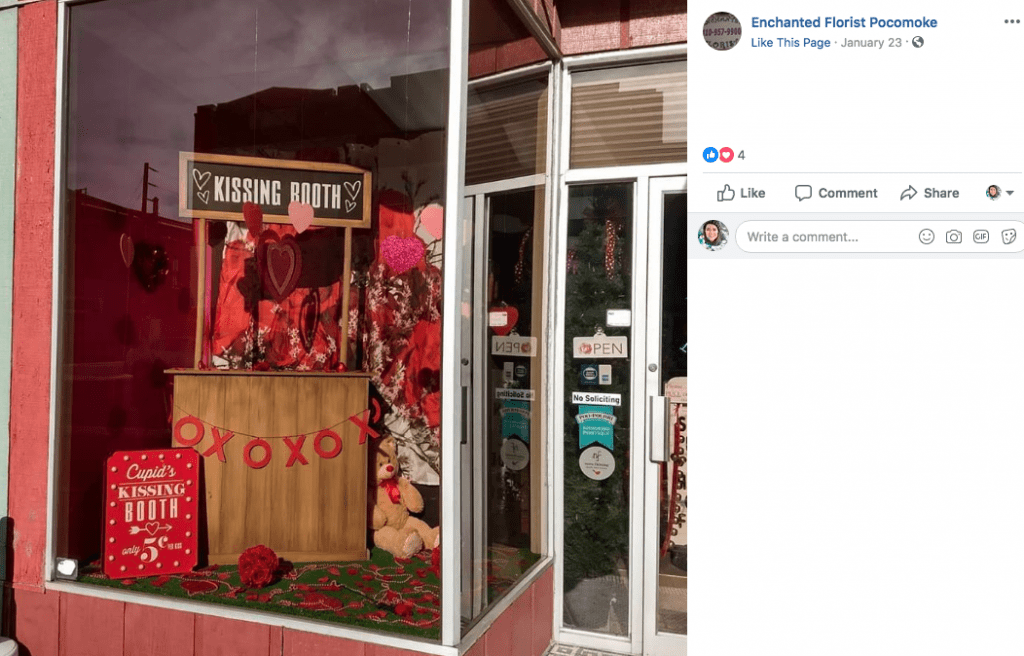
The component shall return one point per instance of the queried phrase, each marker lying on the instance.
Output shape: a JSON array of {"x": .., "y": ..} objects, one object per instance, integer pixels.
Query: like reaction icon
[
  {"x": 726, "y": 194},
  {"x": 710, "y": 155}
]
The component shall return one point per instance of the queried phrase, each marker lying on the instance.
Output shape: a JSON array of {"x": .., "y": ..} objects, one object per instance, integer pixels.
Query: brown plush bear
[{"x": 393, "y": 497}]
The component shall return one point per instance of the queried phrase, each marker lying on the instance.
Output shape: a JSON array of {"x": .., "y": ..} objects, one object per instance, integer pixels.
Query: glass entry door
[
  {"x": 665, "y": 581},
  {"x": 623, "y": 462}
]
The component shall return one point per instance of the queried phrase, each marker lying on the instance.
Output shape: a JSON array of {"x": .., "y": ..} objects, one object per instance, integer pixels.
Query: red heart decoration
[
  {"x": 511, "y": 315},
  {"x": 253, "y": 214},
  {"x": 280, "y": 263},
  {"x": 402, "y": 254}
]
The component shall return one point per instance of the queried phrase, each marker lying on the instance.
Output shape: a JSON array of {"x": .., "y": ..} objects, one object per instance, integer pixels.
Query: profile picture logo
[
  {"x": 713, "y": 235},
  {"x": 722, "y": 31},
  {"x": 993, "y": 192}
]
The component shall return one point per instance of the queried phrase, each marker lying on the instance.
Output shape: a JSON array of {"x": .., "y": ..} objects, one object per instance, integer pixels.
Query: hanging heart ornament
[
  {"x": 402, "y": 254},
  {"x": 253, "y": 214},
  {"x": 280, "y": 263},
  {"x": 432, "y": 218},
  {"x": 301, "y": 215},
  {"x": 502, "y": 319}
]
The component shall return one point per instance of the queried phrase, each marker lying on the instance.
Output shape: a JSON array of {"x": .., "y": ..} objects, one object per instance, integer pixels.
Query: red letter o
[
  {"x": 200, "y": 431},
  {"x": 320, "y": 450},
  {"x": 247, "y": 453}
]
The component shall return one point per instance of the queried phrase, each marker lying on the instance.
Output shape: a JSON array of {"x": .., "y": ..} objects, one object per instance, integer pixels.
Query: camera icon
[{"x": 954, "y": 237}]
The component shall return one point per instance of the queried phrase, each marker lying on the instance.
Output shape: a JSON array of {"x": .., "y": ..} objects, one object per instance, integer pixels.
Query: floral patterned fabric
[
  {"x": 396, "y": 317},
  {"x": 251, "y": 331},
  {"x": 402, "y": 345}
]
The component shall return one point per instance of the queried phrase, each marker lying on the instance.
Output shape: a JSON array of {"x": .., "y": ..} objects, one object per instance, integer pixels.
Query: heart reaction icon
[{"x": 725, "y": 154}]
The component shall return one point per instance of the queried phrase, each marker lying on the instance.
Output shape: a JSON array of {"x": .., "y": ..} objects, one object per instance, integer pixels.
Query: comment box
[{"x": 942, "y": 236}]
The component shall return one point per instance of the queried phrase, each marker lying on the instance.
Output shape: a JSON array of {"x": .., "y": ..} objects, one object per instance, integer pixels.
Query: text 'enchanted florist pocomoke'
[
  {"x": 851, "y": 22},
  {"x": 828, "y": 22}
]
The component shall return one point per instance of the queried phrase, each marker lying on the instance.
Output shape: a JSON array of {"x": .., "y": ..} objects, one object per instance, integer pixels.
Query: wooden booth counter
[{"x": 304, "y": 512}]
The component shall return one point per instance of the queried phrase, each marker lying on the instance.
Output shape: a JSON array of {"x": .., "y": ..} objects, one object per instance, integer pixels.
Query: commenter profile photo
[
  {"x": 993, "y": 192},
  {"x": 722, "y": 31},
  {"x": 713, "y": 235}
]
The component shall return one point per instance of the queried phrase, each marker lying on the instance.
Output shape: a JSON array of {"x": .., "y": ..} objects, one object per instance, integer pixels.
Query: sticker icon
[
  {"x": 1009, "y": 236},
  {"x": 597, "y": 463},
  {"x": 726, "y": 154},
  {"x": 514, "y": 454}
]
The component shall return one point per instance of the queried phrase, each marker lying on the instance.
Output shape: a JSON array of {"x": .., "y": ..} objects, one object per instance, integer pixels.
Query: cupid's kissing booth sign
[{"x": 152, "y": 510}]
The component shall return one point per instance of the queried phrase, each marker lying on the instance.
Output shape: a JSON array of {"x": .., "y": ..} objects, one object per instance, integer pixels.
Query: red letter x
[
  {"x": 364, "y": 428},
  {"x": 218, "y": 444},
  {"x": 296, "y": 453}
]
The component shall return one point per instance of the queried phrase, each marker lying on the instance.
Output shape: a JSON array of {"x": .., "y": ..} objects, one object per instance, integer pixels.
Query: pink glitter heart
[
  {"x": 301, "y": 215},
  {"x": 432, "y": 218},
  {"x": 402, "y": 254}
]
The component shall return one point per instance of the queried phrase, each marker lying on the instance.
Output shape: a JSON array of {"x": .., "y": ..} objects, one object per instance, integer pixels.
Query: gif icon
[{"x": 981, "y": 236}]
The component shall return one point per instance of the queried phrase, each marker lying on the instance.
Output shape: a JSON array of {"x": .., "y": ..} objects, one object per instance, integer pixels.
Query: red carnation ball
[{"x": 257, "y": 566}]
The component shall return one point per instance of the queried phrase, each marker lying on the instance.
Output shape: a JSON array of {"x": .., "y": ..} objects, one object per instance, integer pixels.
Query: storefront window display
[{"x": 252, "y": 241}]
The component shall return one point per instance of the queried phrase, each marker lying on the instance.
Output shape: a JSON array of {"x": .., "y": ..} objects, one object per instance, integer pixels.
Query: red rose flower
[{"x": 257, "y": 566}]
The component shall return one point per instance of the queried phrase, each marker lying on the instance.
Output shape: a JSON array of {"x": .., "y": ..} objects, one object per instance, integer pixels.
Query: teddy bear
[{"x": 393, "y": 497}]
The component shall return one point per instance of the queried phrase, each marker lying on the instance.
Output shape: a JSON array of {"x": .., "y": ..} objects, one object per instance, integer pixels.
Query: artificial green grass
[{"x": 383, "y": 593}]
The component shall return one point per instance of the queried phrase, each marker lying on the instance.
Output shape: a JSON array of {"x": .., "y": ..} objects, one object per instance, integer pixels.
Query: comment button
[{"x": 881, "y": 236}]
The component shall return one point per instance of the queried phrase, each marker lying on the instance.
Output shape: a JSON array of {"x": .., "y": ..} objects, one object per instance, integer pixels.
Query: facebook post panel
[{"x": 855, "y": 297}]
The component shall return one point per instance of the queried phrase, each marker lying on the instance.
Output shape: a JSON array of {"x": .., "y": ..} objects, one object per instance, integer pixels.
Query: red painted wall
[
  {"x": 62, "y": 624},
  {"x": 33, "y": 268}
]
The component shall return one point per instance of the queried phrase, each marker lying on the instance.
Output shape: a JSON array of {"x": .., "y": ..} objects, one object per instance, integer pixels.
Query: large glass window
[
  {"x": 503, "y": 478},
  {"x": 313, "y": 343}
]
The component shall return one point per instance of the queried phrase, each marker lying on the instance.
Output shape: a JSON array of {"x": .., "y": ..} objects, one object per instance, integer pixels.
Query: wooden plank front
[{"x": 306, "y": 512}]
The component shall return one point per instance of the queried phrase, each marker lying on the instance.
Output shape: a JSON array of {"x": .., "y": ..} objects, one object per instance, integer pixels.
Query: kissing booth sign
[
  {"x": 151, "y": 513},
  {"x": 280, "y": 426}
]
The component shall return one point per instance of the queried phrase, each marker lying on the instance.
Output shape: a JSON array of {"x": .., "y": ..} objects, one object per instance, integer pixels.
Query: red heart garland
[
  {"x": 280, "y": 262},
  {"x": 511, "y": 318},
  {"x": 253, "y": 214}
]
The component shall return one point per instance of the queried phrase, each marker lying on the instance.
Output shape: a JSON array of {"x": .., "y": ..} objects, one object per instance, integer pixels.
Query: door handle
[{"x": 656, "y": 428}]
